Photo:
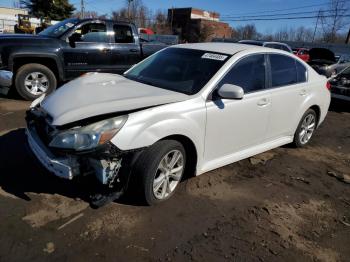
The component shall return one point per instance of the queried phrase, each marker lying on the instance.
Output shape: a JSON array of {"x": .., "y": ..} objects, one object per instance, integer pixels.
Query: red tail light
[{"x": 328, "y": 85}]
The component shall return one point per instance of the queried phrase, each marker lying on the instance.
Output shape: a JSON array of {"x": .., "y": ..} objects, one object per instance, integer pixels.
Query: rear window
[
  {"x": 301, "y": 72},
  {"x": 283, "y": 70},
  {"x": 123, "y": 34}
]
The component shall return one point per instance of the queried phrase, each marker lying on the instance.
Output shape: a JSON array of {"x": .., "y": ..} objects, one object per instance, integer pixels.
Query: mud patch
[
  {"x": 111, "y": 223},
  {"x": 289, "y": 221},
  {"x": 52, "y": 208}
]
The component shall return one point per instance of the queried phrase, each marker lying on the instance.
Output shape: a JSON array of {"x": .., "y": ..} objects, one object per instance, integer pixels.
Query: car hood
[
  {"x": 322, "y": 54},
  {"x": 97, "y": 94}
]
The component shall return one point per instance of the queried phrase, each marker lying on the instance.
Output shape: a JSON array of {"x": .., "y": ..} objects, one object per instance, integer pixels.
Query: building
[
  {"x": 195, "y": 25},
  {"x": 8, "y": 18}
]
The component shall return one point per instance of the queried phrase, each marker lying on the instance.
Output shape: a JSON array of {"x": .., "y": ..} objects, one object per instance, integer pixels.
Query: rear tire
[
  {"x": 33, "y": 80},
  {"x": 158, "y": 178},
  {"x": 305, "y": 129}
]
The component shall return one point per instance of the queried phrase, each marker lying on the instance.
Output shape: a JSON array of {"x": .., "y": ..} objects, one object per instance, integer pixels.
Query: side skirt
[{"x": 237, "y": 156}]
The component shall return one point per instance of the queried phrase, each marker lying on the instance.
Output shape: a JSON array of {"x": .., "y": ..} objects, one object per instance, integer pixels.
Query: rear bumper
[
  {"x": 62, "y": 167},
  {"x": 5, "y": 78}
]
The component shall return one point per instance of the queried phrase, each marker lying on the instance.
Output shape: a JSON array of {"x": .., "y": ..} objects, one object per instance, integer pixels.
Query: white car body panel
[
  {"x": 102, "y": 93},
  {"x": 221, "y": 134}
]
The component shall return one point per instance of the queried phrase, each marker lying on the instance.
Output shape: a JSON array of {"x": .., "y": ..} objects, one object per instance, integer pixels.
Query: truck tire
[
  {"x": 159, "y": 176},
  {"x": 33, "y": 80}
]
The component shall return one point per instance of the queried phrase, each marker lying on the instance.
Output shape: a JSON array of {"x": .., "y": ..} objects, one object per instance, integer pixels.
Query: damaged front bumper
[
  {"x": 111, "y": 166},
  {"x": 104, "y": 162},
  {"x": 67, "y": 167}
]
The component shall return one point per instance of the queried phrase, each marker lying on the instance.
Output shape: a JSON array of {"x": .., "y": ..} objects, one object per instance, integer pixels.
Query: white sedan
[{"x": 185, "y": 110}]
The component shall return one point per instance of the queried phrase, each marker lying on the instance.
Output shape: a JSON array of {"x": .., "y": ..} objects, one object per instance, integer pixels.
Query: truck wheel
[
  {"x": 305, "y": 128},
  {"x": 160, "y": 169},
  {"x": 33, "y": 80}
]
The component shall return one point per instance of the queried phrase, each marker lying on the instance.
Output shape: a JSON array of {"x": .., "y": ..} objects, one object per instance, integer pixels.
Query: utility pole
[
  {"x": 172, "y": 19},
  {"x": 318, "y": 17},
  {"x": 347, "y": 41},
  {"x": 129, "y": 3},
  {"x": 82, "y": 11}
]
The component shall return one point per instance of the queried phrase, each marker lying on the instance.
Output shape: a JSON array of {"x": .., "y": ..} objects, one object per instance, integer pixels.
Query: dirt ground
[{"x": 283, "y": 205}]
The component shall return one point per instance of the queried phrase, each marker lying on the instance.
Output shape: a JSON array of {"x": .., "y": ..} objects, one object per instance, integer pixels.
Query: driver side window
[
  {"x": 90, "y": 33},
  {"x": 248, "y": 73}
]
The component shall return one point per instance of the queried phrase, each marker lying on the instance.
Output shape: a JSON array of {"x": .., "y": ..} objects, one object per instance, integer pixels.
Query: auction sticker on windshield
[{"x": 214, "y": 56}]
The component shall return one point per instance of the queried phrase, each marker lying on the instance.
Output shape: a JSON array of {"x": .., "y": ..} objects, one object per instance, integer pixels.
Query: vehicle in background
[
  {"x": 320, "y": 59},
  {"x": 24, "y": 25},
  {"x": 302, "y": 53},
  {"x": 326, "y": 63},
  {"x": 343, "y": 61},
  {"x": 45, "y": 22},
  {"x": 146, "y": 31},
  {"x": 185, "y": 110},
  {"x": 340, "y": 85},
  {"x": 275, "y": 45},
  {"x": 34, "y": 64}
]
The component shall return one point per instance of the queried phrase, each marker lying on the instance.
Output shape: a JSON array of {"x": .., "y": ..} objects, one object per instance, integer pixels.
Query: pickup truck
[{"x": 36, "y": 64}]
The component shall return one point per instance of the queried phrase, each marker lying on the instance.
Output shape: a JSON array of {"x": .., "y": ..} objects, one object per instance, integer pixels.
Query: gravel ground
[{"x": 284, "y": 205}]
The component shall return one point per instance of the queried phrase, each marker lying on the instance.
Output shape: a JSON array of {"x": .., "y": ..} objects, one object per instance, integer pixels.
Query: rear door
[
  {"x": 289, "y": 90},
  {"x": 125, "y": 47},
  {"x": 88, "y": 49}
]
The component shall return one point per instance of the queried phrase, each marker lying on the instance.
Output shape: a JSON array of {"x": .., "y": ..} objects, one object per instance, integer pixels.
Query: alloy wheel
[
  {"x": 168, "y": 174},
  {"x": 307, "y": 128},
  {"x": 36, "y": 83}
]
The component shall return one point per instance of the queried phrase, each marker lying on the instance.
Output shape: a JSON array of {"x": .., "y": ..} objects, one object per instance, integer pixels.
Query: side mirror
[
  {"x": 75, "y": 37},
  {"x": 229, "y": 91}
]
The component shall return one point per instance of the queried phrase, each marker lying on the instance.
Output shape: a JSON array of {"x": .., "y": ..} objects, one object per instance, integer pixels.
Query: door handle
[
  {"x": 133, "y": 50},
  {"x": 303, "y": 92},
  {"x": 106, "y": 50},
  {"x": 263, "y": 102}
]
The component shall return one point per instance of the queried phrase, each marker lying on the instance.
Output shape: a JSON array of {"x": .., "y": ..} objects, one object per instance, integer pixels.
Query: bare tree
[
  {"x": 283, "y": 34},
  {"x": 205, "y": 33},
  {"x": 160, "y": 23},
  {"x": 334, "y": 20},
  {"x": 87, "y": 14},
  {"x": 120, "y": 15},
  {"x": 246, "y": 32}
]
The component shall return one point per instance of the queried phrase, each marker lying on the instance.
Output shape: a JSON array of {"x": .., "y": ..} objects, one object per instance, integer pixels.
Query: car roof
[{"x": 222, "y": 47}]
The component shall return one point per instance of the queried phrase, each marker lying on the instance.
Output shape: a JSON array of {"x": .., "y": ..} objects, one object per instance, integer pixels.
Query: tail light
[{"x": 328, "y": 85}]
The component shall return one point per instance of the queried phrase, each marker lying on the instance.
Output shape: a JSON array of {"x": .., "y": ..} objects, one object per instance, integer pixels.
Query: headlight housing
[{"x": 89, "y": 137}]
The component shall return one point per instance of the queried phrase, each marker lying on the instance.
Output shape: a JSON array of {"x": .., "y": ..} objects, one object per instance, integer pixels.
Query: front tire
[
  {"x": 305, "y": 129},
  {"x": 33, "y": 80},
  {"x": 160, "y": 169}
]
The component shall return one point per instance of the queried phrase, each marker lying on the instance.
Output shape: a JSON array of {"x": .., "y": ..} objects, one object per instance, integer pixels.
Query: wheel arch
[
  {"x": 49, "y": 61},
  {"x": 317, "y": 110},
  {"x": 191, "y": 153}
]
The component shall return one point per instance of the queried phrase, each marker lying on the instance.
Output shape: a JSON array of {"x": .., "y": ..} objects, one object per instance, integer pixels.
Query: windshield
[
  {"x": 178, "y": 69},
  {"x": 60, "y": 28}
]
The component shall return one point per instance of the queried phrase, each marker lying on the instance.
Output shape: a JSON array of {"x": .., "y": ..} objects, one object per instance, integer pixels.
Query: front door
[
  {"x": 88, "y": 50},
  {"x": 235, "y": 125}
]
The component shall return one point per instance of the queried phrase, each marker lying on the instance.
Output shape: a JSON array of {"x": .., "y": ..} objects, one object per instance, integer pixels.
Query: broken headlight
[{"x": 89, "y": 137}]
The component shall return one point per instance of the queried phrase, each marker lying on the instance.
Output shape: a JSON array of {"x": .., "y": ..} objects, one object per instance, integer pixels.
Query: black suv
[{"x": 35, "y": 64}]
